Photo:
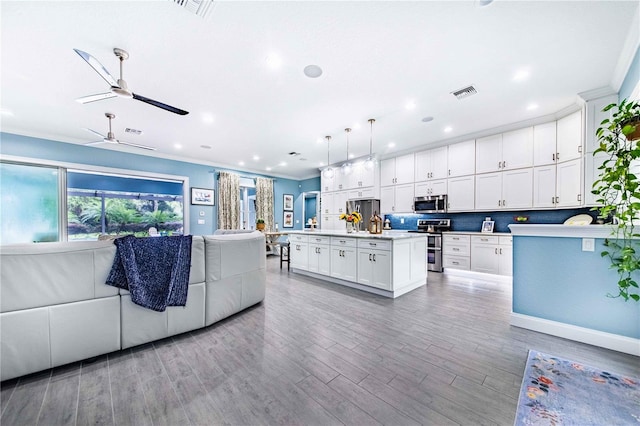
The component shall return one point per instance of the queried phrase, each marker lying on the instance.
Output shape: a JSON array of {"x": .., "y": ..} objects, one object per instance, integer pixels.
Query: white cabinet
[
  {"x": 544, "y": 186},
  {"x": 326, "y": 183},
  {"x": 569, "y": 137},
  {"x": 511, "y": 189},
  {"x": 340, "y": 199},
  {"x": 397, "y": 171},
  {"x": 341, "y": 181},
  {"x": 319, "y": 250},
  {"x": 326, "y": 203},
  {"x": 594, "y": 116},
  {"x": 456, "y": 251},
  {"x": 432, "y": 187},
  {"x": 544, "y": 144},
  {"x": 491, "y": 254},
  {"x": 461, "y": 158},
  {"x": 343, "y": 258},
  {"x": 591, "y": 174},
  {"x": 489, "y": 191},
  {"x": 298, "y": 250},
  {"x": 431, "y": 164},
  {"x": 461, "y": 191},
  {"x": 361, "y": 177},
  {"x": 569, "y": 183},
  {"x": 508, "y": 151},
  {"x": 396, "y": 199},
  {"x": 374, "y": 263}
]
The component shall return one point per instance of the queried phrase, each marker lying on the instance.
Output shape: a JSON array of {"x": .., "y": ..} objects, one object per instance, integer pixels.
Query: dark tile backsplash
[{"x": 471, "y": 222}]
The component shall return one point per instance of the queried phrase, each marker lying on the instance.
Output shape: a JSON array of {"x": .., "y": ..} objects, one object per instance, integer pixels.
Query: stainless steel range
[{"x": 435, "y": 228}]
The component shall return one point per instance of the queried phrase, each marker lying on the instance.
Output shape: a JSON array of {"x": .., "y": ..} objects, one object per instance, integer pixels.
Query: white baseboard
[{"x": 616, "y": 342}]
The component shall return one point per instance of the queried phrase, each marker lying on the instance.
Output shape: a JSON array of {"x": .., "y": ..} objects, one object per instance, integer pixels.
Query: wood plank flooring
[{"x": 314, "y": 354}]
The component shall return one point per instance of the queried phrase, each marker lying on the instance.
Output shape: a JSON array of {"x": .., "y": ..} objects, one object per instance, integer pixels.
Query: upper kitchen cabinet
[
  {"x": 594, "y": 116},
  {"x": 544, "y": 144},
  {"x": 431, "y": 164},
  {"x": 461, "y": 194},
  {"x": 569, "y": 137},
  {"x": 326, "y": 183},
  {"x": 397, "y": 171},
  {"x": 507, "y": 151},
  {"x": 461, "y": 158}
]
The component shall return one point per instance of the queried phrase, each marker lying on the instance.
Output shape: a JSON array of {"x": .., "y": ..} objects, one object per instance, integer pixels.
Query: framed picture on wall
[
  {"x": 487, "y": 226},
  {"x": 202, "y": 196},
  {"x": 287, "y": 220},
  {"x": 287, "y": 202}
]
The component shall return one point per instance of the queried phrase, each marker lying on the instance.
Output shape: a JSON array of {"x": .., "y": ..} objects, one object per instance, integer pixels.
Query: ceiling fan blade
[
  {"x": 160, "y": 105},
  {"x": 135, "y": 145},
  {"x": 96, "y": 142},
  {"x": 95, "y": 133},
  {"x": 96, "y": 65},
  {"x": 98, "y": 97}
]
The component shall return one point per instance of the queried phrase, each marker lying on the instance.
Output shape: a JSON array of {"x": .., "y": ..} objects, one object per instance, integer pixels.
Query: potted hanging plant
[
  {"x": 260, "y": 224},
  {"x": 618, "y": 192}
]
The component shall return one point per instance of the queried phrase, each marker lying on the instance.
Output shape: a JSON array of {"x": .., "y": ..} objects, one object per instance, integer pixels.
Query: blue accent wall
[
  {"x": 555, "y": 280},
  {"x": 631, "y": 79},
  {"x": 472, "y": 222},
  {"x": 201, "y": 176}
]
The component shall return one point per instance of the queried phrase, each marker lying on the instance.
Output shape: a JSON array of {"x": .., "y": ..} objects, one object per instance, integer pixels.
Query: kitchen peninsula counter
[{"x": 389, "y": 264}]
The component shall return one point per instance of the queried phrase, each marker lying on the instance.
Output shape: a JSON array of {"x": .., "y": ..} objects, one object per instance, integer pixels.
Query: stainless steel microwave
[{"x": 430, "y": 204}]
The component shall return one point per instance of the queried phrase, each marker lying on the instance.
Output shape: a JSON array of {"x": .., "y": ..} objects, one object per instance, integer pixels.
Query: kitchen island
[{"x": 389, "y": 264}]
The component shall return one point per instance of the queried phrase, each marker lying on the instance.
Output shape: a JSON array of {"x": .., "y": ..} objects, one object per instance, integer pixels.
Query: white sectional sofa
[{"x": 56, "y": 309}]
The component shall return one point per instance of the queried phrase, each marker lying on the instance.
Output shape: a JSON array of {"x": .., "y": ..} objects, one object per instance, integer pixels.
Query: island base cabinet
[
  {"x": 374, "y": 268},
  {"x": 320, "y": 259},
  {"x": 299, "y": 253},
  {"x": 344, "y": 263}
]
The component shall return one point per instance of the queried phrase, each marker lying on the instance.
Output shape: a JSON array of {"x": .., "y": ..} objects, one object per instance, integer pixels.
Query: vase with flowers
[{"x": 352, "y": 220}]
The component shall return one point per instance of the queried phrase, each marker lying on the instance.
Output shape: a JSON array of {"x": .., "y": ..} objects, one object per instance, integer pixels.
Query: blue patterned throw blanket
[{"x": 154, "y": 270}]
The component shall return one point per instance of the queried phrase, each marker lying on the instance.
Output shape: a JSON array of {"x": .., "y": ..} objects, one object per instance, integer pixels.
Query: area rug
[{"x": 557, "y": 391}]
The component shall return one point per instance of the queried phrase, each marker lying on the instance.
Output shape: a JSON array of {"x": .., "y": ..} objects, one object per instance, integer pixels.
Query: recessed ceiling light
[
  {"x": 207, "y": 117},
  {"x": 273, "y": 61},
  {"x": 205, "y": 146},
  {"x": 256, "y": 158},
  {"x": 391, "y": 144},
  {"x": 410, "y": 105},
  {"x": 177, "y": 146},
  {"x": 521, "y": 75},
  {"x": 427, "y": 119},
  {"x": 531, "y": 107},
  {"x": 448, "y": 129},
  {"x": 312, "y": 71},
  {"x": 6, "y": 112},
  {"x": 282, "y": 163},
  {"x": 240, "y": 163},
  {"x": 268, "y": 169}
]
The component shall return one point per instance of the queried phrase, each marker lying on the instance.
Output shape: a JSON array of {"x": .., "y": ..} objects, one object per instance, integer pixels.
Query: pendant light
[
  {"x": 370, "y": 162},
  {"x": 328, "y": 172},
  {"x": 346, "y": 167}
]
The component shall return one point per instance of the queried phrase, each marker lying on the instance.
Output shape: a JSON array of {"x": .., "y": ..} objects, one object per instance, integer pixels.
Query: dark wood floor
[{"x": 314, "y": 354}]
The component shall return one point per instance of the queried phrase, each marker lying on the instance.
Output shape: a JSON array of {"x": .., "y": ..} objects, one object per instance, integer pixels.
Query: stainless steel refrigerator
[{"x": 366, "y": 208}]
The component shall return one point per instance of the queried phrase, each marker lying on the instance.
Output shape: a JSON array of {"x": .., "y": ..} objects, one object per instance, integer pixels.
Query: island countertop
[{"x": 386, "y": 235}]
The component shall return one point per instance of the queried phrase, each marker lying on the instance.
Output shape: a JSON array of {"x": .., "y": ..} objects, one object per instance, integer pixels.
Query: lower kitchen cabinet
[
  {"x": 344, "y": 262},
  {"x": 456, "y": 251},
  {"x": 320, "y": 255},
  {"x": 489, "y": 254},
  {"x": 299, "y": 255},
  {"x": 374, "y": 263}
]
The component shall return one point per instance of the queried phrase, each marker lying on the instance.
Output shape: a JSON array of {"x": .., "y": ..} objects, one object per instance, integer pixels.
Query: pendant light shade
[
  {"x": 328, "y": 172},
  {"x": 346, "y": 167},
  {"x": 370, "y": 162}
]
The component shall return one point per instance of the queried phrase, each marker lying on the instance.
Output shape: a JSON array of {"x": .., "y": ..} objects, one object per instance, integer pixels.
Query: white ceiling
[{"x": 376, "y": 57}]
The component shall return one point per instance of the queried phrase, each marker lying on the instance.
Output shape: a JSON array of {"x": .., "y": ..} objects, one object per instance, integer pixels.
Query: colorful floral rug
[{"x": 557, "y": 391}]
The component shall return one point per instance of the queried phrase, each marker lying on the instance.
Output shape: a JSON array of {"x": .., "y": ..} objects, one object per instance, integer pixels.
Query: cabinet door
[
  {"x": 324, "y": 260},
  {"x": 422, "y": 189},
  {"x": 438, "y": 187},
  {"x": 505, "y": 266},
  {"x": 314, "y": 258},
  {"x": 404, "y": 199},
  {"x": 340, "y": 180},
  {"x": 485, "y": 258},
  {"x": 591, "y": 174},
  {"x": 461, "y": 158},
  {"x": 327, "y": 183},
  {"x": 569, "y": 142},
  {"x": 350, "y": 265},
  {"x": 569, "y": 183},
  {"x": 340, "y": 199},
  {"x": 439, "y": 165},
  {"x": 388, "y": 172},
  {"x": 517, "y": 189},
  {"x": 367, "y": 176},
  {"x": 594, "y": 116},
  {"x": 423, "y": 166},
  {"x": 404, "y": 169},
  {"x": 517, "y": 149},
  {"x": 544, "y": 144},
  {"x": 489, "y": 191},
  {"x": 326, "y": 203},
  {"x": 461, "y": 193},
  {"x": 544, "y": 186},
  {"x": 387, "y": 199},
  {"x": 299, "y": 255},
  {"x": 489, "y": 154},
  {"x": 381, "y": 269}
]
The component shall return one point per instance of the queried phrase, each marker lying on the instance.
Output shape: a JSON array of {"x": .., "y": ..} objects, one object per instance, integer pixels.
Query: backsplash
[{"x": 472, "y": 222}]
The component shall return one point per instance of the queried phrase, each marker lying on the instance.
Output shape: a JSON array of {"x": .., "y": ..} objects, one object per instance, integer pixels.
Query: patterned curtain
[
  {"x": 264, "y": 201},
  {"x": 228, "y": 201}
]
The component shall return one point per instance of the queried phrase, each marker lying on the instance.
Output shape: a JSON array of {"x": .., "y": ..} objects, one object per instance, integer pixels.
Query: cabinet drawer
[
  {"x": 319, "y": 239},
  {"x": 506, "y": 240},
  {"x": 343, "y": 242},
  {"x": 456, "y": 262},
  {"x": 456, "y": 239},
  {"x": 361, "y": 193},
  {"x": 374, "y": 244},
  {"x": 298, "y": 238},
  {"x": 456, "y": 249},
  {"x": 482, "y": 239}
]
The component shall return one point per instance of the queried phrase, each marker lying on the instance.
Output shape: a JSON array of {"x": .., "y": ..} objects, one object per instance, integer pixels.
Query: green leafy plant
[
  {"x": 260, "y": 221},
  {"x": 618, "y": 191}
]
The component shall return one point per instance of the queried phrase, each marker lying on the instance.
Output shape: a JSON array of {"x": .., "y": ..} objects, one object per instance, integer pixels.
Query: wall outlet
[
  {"x": 200, "y": 221},
  {"x": 402, "y": 220},
  {"x": 588, "y": 244}
]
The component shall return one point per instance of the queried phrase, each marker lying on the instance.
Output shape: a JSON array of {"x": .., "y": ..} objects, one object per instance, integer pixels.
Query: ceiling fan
[
  {"x": 119, "y": 87},
  {"x": 110, "y": 138}
]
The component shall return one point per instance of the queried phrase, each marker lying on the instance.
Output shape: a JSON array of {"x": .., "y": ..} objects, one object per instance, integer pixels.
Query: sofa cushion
[{"x": 227, "y": 255}]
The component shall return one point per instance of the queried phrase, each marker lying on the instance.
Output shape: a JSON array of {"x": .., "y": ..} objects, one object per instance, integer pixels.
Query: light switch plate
[{"x": 588, "y": 244}]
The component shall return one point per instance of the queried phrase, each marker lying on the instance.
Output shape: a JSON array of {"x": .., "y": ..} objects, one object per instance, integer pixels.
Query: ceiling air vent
[
  {"x": 202, "y": 8},
  {"x": 294, "y": 154},
  {"x": 133, "y": 131},
  {"x": 465, "y": 92}
]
